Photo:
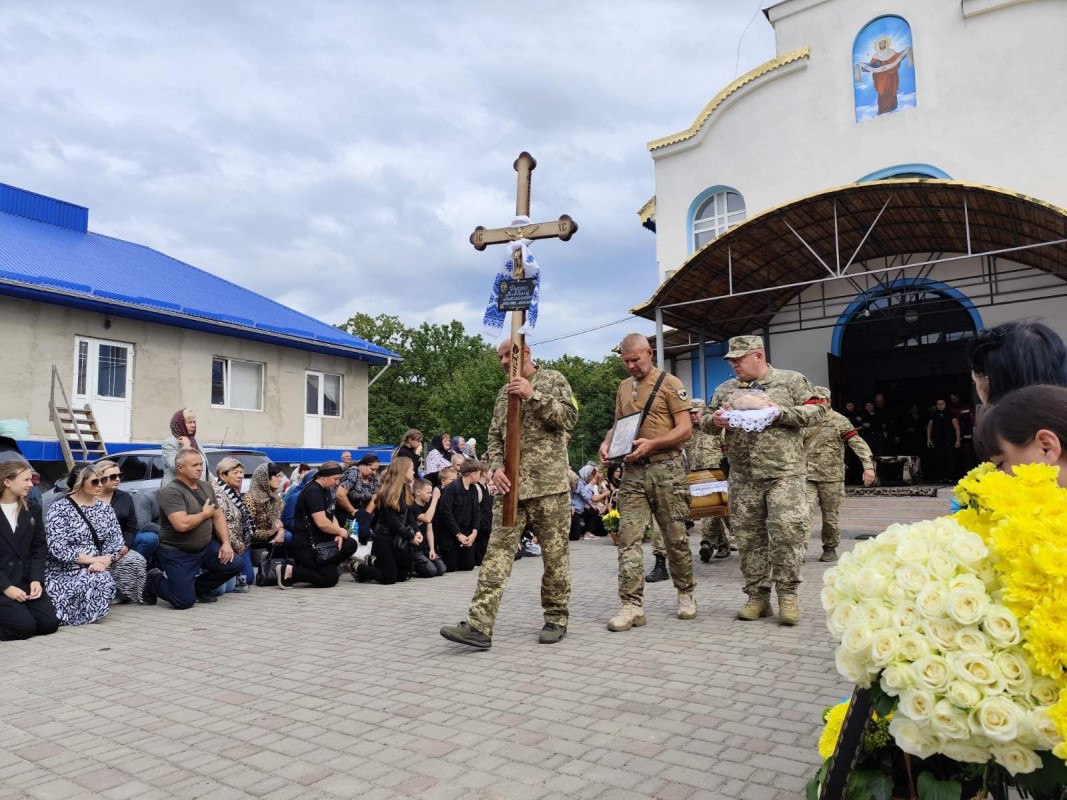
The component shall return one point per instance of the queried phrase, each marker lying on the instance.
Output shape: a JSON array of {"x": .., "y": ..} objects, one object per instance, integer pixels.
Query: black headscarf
[{"x": 438, "y": 444}]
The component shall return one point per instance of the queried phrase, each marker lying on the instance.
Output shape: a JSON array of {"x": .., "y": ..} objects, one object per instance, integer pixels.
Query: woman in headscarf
[
  {"x": 439, "y": 457},
  {"x": 265, "y": 505},
  {"x": 470, "y": 449},
  {"x": 229, "y": 476},
  {"x": 591, "y": 519},
  {"x": 182, "y": 436}
]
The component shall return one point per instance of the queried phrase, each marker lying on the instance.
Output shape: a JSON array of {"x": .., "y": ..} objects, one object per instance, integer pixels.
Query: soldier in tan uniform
[
  {"x": 549, "y": 410},
  {"x": 769, "y": 512},
  {"x": 825, "y": 446},
  {"x": 654, "y": 480}
]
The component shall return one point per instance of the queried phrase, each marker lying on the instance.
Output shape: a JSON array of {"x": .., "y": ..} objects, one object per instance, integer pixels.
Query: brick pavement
[{"x": 350, "y": 692}]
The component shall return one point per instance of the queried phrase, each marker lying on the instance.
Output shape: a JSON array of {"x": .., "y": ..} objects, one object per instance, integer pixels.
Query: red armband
[{"x": 846, "y": 436}]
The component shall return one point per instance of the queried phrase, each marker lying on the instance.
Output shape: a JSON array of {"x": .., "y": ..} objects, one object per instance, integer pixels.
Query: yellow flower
[{"x": 835, "y": 718}]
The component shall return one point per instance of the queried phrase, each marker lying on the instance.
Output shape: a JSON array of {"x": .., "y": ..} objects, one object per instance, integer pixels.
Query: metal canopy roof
[{"x": 737, "y": 283}]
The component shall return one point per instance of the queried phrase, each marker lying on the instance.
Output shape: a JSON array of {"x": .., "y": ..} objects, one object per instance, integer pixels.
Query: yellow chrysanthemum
[{"x": 835, "y": 718}]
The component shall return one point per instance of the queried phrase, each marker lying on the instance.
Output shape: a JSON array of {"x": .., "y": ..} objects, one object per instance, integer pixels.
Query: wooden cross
[{"x": 564, "y": 228}]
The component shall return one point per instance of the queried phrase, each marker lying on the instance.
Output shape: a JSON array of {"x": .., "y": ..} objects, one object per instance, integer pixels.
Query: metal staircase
[{"x": 79, "y": 438}]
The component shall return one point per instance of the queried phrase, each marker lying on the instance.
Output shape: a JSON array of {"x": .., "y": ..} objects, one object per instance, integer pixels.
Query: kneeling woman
[
  {"x": 319, "y": 544},
  {"x": 88, "y": 562},
  {"x": 394, "y": 529},
  {"x": 25, "y": 609}
]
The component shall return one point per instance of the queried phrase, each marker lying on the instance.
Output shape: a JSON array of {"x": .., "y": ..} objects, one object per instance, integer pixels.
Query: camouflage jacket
[
  {"x": 825, "y": 444},
  {"x": 704, "y": 450},
  {"x": 776, "y": 451},
  {"x": 546, "y": 417}
]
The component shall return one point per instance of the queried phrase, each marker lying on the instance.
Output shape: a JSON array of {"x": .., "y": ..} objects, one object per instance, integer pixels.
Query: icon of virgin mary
[{"x": 883, "y": 66}]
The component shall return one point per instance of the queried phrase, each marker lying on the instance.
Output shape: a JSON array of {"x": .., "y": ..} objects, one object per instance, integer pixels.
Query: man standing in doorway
[
  {"x": 549, "y": 410},
  {"x": 825, "y": 446},
  {"x": 769, "y": 514},
  {"x": 654, "y": 480}
]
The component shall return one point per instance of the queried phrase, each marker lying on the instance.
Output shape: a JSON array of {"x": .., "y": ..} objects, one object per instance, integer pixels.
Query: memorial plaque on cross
[{"x": 563, "y": 228}]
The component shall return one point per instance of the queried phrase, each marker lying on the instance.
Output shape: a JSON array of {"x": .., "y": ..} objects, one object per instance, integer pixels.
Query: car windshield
[{"x": 248, "y": 460}]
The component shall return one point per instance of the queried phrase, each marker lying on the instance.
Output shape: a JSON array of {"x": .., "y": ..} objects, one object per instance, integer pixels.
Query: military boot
[
  {"x": 551, "y": 633},
  {"x": 628, "y": 617},
  {"x": 755, "y": 608},
  {"x": 829, "y": 554},
  {"x": 705, "y": 552},
  {"x": 463, "y": 633},
  {"x": 723, "y": 551},
  {"x": 788, "y": 611},
  {"x": 687, "y": 605},
  {"x": 659, "y": 572}
]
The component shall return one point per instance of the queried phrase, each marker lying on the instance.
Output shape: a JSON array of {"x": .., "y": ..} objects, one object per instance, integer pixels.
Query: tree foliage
[{"x": 448, "y": 381}]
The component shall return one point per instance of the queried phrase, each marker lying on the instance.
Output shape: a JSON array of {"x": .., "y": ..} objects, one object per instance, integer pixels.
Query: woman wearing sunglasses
[
  {"x": 125, "y": 510},
  {"x": 88, "y": 563}
]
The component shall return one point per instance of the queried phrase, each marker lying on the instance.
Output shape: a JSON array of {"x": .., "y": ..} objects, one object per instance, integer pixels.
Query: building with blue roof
[{"x": 136, "y": 334}]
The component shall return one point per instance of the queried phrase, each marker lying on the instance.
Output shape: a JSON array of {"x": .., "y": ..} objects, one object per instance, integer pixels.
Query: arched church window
[
  {"x": 716, "y": 215},
  {"x": 883, "y": 66}
]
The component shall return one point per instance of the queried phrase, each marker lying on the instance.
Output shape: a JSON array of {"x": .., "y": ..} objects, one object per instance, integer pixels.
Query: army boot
[
  {"x": 628, "y": 617},
  {"x": 687, "y": 605},
  {"x": 755, "y": 608},
  {"x": 463, "y": 633},
  {"x": 788, "y": 612},
  {"x": 723, "y": 551},
  {"x": 552, "y": 632},
  {"x": 705, "y": 552},
  {"x": 659, "y": 572},
  {"x": 829, "y": 554}
]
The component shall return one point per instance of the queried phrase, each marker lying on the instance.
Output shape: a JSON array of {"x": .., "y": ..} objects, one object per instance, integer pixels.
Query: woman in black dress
[
  {"x": 394, "y": 528},
  {"x": 943, "y": 437}
]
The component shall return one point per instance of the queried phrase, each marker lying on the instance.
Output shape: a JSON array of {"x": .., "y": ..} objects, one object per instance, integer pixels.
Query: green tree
[{"x": 595, "y": 384}]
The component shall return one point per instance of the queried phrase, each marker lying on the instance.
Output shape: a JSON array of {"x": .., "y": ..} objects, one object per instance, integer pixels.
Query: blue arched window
[
  {"x": 712, "y": 213},
  {"x": 906, "y": 171}
]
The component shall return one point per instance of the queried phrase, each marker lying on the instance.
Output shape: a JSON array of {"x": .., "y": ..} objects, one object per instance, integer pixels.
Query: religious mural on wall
[{"x": 884, "y": 68}]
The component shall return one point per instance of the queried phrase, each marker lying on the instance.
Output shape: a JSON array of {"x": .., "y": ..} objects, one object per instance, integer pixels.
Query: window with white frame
[
  {"x": 237, "y": 384},
  {"x": 716, "y": 215},
  {"x": 322, "y": 394}
]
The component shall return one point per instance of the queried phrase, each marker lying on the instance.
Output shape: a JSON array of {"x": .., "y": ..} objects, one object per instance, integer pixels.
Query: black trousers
[
  {"x": 461, "y": 559},
  {"x": 386, "y": 569},
  {"x": 307, "y": 568},
  {"x": 23, "y": 620},
  {"x": 593, "y": 522}
]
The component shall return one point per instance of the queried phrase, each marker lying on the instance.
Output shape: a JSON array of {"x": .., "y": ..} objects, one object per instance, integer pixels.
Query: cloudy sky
[{"x": 336, "y": 156}]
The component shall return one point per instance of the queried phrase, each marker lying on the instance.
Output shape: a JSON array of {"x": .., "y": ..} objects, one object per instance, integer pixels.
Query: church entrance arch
[{"x": 908, "y": 340}]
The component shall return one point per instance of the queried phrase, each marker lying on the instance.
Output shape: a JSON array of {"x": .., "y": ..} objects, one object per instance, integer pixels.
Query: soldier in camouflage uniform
[
  {"x": 769, "y": 513},
  {"x": 825, "y": 446},
  {"x": 549, "y": 410},
  {"x": 654, "y": 480}
]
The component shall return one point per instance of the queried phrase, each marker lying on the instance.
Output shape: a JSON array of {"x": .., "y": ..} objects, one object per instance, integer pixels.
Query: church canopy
[{"x": 737, "y": 283}]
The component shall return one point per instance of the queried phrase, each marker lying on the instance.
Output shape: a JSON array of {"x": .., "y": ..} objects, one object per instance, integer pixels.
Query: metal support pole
[
  {"x": 837, "y": 240},
  {"x": 703, "y": 366},
  {"x": 730, "y": 266},
  {"x": 659, "y": 340},
  {"x": 967, "y": 225}
]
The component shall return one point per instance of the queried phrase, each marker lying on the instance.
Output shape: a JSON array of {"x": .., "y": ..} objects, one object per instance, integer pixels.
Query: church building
[{"x": 891, "y": 182}]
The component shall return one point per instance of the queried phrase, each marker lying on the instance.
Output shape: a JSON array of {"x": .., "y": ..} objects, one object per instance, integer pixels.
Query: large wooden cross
[{"x": 563, "y": 228}]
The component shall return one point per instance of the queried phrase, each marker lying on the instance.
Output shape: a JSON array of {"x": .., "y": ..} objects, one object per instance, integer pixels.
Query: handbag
[
  {"x": 268, "y": 569},
  {"x": 326, "y": 552}
]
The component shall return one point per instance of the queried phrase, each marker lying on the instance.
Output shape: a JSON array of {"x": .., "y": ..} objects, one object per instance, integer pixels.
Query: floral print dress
[{"x": 82, "y": 597}]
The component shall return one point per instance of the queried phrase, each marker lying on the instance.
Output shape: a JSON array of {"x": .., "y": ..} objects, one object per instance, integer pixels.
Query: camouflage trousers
[
  {"x": 550, "y": 517},
  {"x": 830, "y": 495},
  {"x": 662, "y": 491},
  {"x": 713, "y": 532},
  {"x": 771, "y": 521}
]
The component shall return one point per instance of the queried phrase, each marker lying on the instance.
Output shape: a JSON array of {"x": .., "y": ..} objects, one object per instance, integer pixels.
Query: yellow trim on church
[
  {"x": 720, "y": 98},
  {"x": 648, "y": 210}
]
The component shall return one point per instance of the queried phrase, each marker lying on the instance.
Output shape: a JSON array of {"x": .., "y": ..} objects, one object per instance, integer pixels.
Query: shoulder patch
[{"x": 682, "y": 394}]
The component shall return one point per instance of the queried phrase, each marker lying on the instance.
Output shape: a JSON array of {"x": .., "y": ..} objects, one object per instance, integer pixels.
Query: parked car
[
  {"x": 9, "y": 451},
  {"x": 143, "y": 469}
]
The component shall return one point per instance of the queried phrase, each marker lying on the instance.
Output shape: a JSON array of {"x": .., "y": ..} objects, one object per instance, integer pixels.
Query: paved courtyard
[{"x": 350, "y": 692}]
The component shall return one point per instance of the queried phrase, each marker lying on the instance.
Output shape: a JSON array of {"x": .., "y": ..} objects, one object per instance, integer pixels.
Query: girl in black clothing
[
  {"x": 460, "y": 517},
  {"x": 392, "y": 526},
  {"x": 411, "y": 448},
  {"x": 485, "y": 516}
]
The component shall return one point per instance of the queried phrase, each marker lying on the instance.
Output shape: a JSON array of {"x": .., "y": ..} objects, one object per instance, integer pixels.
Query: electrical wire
[
  {"x": 586, "y": 330},
  {"x": 737, "y": 63}
]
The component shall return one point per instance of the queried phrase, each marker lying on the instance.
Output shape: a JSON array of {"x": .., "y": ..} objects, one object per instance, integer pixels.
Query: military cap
[
  {"x": 743, "y": 345},
  {"x": 822, "y": 393},
  {"x": 696, "y": 404}
]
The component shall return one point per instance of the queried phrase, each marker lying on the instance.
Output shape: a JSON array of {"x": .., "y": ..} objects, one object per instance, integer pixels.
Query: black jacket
[
  {"x": 122, "y": 504},
  {"x": 22, "y": 551},
  {"x": 406, "y": 452},
  {"x": 458, "y": 511},
  {"x": 390, "y": 522}
]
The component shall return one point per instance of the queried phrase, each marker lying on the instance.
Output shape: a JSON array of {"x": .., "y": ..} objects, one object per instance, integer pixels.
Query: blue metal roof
[{"x": 48, "y": 255}]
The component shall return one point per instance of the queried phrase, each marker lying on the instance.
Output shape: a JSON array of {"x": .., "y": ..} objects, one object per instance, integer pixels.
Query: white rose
[
  {"x": 932, "y": 673},
  {"x": 968, "y": 606},
  {"x": 1001, "y": 626},
  {"x": 895, "y": 678},
  {"x": 911, "y": 737},
  {"x": 997, "y": 718},
  {"x": 941, "y": 564},
  {"x": 844, "y": 581},
  {"x": 974, "y": 668},
  {"x": 969, "y": 548},
  {"x": 885, "y": 646},
  {"x": 933, "y": 601},
  {"x": 830, "y": 597},
  {"x": 856, "y": 641},
  {"x": 949, "y": 722},
  {"x": 896, "y": 594},
  {"x": 873, "y": 612},
  {"x": 961, "y": 751},
  {"x": 988, "y": 576},
  {"x": 840, "y": 618},
  {"x": 888, "y": 539},
  {"x": 916, "y": 704},
  {"x": 963, "y": 694},
  {"x": 905, "y": 617},
  {"x": 871, "y": 583},
  {"x": 912, "y": 577},
  {"x": 1045, "y": 692},
  {"x": 941, "y": 632},
  {"x": 914, "y": 646},
  {"x": 883, "y": 564},
  {"x": 852, "y": 670},
  {"x": 913, "y": 551},
  {"x": 1043, "y": 729},
  {"x": 1016, "y": 759},
  {"x": 1013, "y": 667},
  {"x": 973, "y": 640}
]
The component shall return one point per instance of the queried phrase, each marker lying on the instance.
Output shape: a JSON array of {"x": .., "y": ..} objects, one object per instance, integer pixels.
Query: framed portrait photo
[{"x": 623, "y": 435}]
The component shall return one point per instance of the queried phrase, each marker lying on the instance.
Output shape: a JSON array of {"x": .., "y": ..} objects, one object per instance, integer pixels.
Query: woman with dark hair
[
  {"x": 314, "y": 529},
  {"x": 359, "y": 483},
  {"x": 1027, "y": 426},
  {"x": 1014, "y": 355},
  {"x": 394, "y": 527},
  {"x": 943, "y": 437},
  {"x": 265, "y": 506},
  {"x": 411, "y": 448},
  {"x": 438, "y": 457},
  {"x": 25, "y": 608}
]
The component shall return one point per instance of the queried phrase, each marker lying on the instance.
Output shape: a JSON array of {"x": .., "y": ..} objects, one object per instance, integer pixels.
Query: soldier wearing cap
[
  {"x": 654, "y": 481},
  {"x": 825, "y": 446},
  {"x": 769, "y": 514}
]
